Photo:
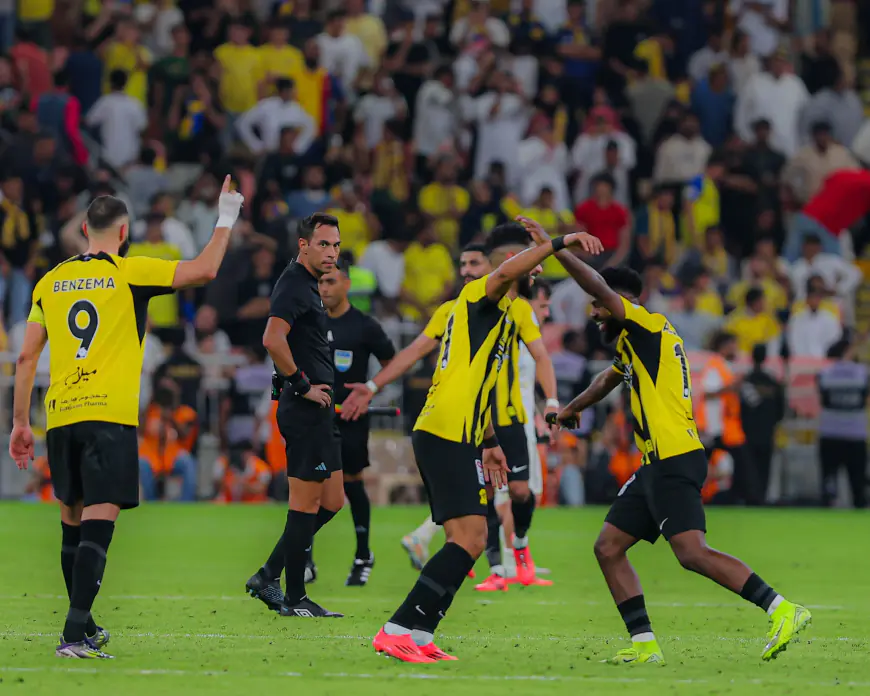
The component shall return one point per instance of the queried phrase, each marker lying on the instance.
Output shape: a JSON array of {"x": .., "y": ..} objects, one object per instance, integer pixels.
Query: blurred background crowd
[{"x": 720, "y": 147}]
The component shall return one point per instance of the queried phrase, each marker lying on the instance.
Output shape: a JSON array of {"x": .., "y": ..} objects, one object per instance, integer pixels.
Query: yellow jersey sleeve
[
  {"x": 636, "y": 314},
  {"x": 36, "y": 314},
  {"x": 144, "y": 271},
  {"x": 528, "y": 330},
  {"x": 438, "y": 323}
]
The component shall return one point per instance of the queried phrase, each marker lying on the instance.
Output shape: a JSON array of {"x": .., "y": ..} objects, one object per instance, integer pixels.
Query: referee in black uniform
[
  {"x": 296, "y": 338},
  {"x": 353, "y": 337}
]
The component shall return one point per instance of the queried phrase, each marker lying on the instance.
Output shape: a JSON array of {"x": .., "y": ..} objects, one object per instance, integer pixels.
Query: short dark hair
[
  {"x": 307, "y": 225},
  {"x": 531, "y": 291},
  {"x": 812, "y": 238},
  {"x": 753, "y": 295},
  {"x": 61, "y": 78},
  {"x": 820, "y": 127},
  {"x": 104, "y": 211},
  {"x": 474, "y": 246},
  {"x": 118, "y": 80},
  {"x": 759, "y": 354},
  {"x": 284, "y": 83},
  {"x": 337, "y": 13},
  {"x": 603, "y": 179},
  {"x": 625, "y": 279},
  {"x": 506, "y": 234},
  {"x": 839, "y": 349},
  {"x": 721, "y": 339},
  {"x": 147, "y": 156}
]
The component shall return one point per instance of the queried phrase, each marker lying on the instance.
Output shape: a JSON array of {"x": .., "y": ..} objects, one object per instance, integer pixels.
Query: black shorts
[
  {"x": 662, "y": 498},
  {"x": 354, "y": 445},
  {"x": 512, "y": 440},
  {"x": 311, "y": 435},
  {"x": 94, "y": 462},
  {"x": 453, "y": 475}
]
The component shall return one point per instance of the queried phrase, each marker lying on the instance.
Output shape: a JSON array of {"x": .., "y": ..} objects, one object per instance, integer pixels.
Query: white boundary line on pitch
[
  {"x": 337, "y": 599},
  {"x": 416, "y": 675},
  {"x": 472, "y": 639}
]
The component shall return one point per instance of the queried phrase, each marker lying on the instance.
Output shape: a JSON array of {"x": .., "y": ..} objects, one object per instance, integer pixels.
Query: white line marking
[
  {"x": 418, "y": 675},
  {"x": 341, "y": 599}
]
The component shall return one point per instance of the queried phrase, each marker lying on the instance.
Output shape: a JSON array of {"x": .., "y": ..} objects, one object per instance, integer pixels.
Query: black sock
[
  {"x": 493, "y": 541},
  {"x": 426, "y": 604},
  {"x": 758, "y": 592},
  {"x": 87, "y": 574},
  {"x": 274, "y": 566},
  {"x": 71, "y": 536},
  {"x": 633, "y": 612},
  {"x": 323, "y": 516},
  {"x": 361, "y": 511},
  {"x": 523, "y": 512},
  {"x": 297, "y": 540}
]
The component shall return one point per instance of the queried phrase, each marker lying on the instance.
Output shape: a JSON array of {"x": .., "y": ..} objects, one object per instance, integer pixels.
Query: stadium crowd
[{"x": 721, "y": 149}]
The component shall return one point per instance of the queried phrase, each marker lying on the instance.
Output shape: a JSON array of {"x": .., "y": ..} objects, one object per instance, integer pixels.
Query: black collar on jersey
[{"x": 99, "y": 256}]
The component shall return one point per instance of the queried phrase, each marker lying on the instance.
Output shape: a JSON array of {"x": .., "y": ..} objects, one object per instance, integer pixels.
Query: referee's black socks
[
  {"x": 298, "y": 535},
  {"x": 87, "y": 574},
  {"x": 433, "y": 593},
  {"x": 361, "y": 511},
  {"x": 69, "y": 547},
  {"x": 522, "y": 512}
]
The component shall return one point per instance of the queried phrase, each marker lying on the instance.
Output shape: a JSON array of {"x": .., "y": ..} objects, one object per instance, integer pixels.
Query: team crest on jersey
[{"x": 343, "y": 359}]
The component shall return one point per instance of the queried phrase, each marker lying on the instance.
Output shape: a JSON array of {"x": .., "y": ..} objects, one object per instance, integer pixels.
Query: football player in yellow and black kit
[
  {"x": 452, "y": 428},
  {"x": 473, "y": 264},
  {"x": 92, "y": 308},
  {"x": 509, "y": 419},
  {"x": 664, "y": 495}
]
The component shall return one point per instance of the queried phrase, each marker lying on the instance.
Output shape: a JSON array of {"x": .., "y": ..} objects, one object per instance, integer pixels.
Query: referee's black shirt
[
  {"x": 296, "y": 300},
  {"x": 354, "y": 337}
]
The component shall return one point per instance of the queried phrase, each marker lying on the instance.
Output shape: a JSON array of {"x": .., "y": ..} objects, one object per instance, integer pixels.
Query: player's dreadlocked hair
[
  {"x": 624, "y": 279},
  {"x": 508, "y": 234}
]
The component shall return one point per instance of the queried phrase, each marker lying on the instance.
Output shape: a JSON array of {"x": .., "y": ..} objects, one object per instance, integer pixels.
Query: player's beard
[{"x": 124, "y": 248}]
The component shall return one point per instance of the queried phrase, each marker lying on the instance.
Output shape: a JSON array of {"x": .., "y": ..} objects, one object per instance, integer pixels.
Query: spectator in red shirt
[
  {"x": 601, "y": 216},
  {"x": 843, "y": 200},
  {"x": 31, "y": 64},
  {"x": 59, "y": 113}
]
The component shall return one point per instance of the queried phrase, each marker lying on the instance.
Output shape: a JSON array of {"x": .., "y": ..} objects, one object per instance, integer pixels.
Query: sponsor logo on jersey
[
  {"x": 343, "y": 359},
  {"x": 84, "y": 284}
]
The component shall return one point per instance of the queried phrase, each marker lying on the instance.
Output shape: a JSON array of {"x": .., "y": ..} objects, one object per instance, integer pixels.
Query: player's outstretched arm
[
  {"x": 604, "y": 383},
  {"x": 21, "y": 439},
  {"x": 583, "y": 274},
  {"x": 204, "y": 268},
  {"x": 545, "y": 374},
  {"x": 357, "y": 402}
]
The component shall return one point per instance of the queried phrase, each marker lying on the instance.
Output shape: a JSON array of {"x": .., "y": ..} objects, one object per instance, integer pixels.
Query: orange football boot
[{"x": 401, "y": 647}]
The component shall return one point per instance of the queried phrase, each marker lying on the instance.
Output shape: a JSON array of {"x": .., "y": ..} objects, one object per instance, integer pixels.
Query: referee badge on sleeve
[{"x": 343, "y": 359}]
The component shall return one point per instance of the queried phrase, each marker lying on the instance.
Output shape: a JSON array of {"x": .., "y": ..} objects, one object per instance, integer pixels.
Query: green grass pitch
[{"x": 173, "y": 598}]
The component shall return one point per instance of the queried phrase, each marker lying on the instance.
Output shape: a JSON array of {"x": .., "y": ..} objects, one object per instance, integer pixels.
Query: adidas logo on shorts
[{"x": 320, "y": 467}]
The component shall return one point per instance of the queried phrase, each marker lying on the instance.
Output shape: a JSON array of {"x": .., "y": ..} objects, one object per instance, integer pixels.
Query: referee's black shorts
[
  {"x": 513, "y": 442},
  {"x": 94, "y": 462},
  {"x": 662, "y": 498},
  {"x": 453, "y": 475},
  {"x": 311, "y": 435},
  {"x": 354, "y": 445}
]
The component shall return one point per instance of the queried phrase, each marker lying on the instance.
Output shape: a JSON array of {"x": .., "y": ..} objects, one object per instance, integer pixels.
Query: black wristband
[
  {"x": 299, "y": 382},
  {"x": 558, "y": 243},
  {"x": 490, "y": 442}
]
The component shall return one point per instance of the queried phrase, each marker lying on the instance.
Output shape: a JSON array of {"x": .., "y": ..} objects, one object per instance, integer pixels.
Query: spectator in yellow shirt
[
  {"x": 429, "y": 274},
  {"x": 278, "y": 59},
  {"x": 755, "y": 324},
  {"x": 162, "y": 310},
  {"x": 368, "y": 28},
  {"x": 124, "y": 52},
  {"x": 760, "y": 276},
  {"x": 357, "y": 223},
  {"x": 445, "y": 202},
  {"x": 555, "y": 222},
  {"x": 240, "y": 69}
]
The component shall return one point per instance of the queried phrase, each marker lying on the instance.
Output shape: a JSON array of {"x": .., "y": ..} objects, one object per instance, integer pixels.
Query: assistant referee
[
  {"x": 93, "y": 308},
  {"x": 296, "y": 338}
]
